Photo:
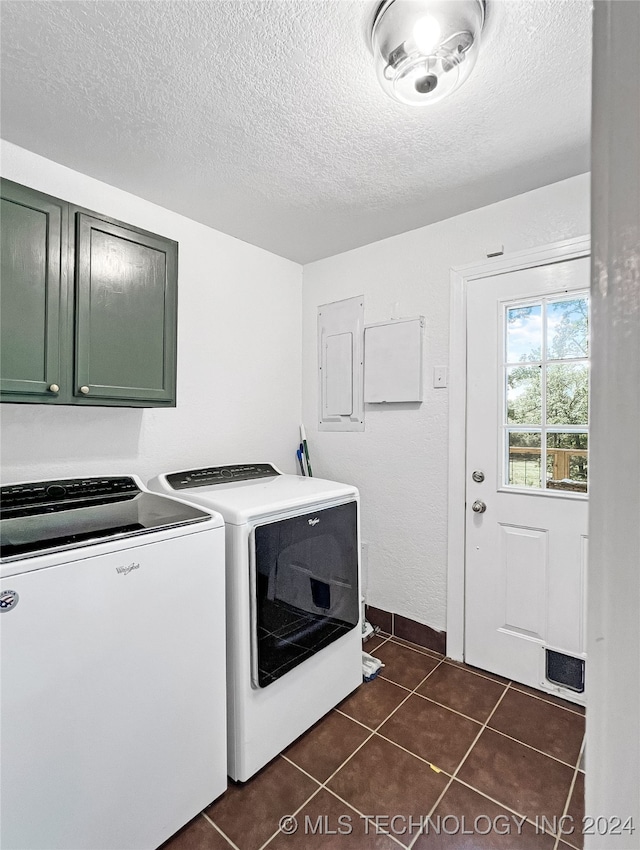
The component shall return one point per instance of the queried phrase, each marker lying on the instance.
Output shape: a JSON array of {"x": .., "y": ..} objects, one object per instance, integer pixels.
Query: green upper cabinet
[
  {"x": 32, "y": 294},
  {"x": 125, "y": 343},
  {"x": 88, "y": 306}
]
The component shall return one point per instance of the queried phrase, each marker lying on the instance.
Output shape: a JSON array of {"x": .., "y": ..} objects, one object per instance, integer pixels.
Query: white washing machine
[
  {"x": 293, "y": 614},
  {"x": 113, "y": 698}
]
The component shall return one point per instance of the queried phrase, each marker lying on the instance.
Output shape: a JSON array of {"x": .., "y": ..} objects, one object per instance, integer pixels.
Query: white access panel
[
  {"x": 113, "y": 694},
  {"x": 393, "y": 361},
  {"x": 340, "y": 365},
  {"x": 338, "y": 373}
]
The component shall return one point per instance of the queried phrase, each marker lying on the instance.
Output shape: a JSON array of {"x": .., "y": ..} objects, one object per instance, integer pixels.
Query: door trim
[{"x": 461, "y": 276}]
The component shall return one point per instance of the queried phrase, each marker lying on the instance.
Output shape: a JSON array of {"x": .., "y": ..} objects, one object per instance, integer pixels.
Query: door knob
[
  {"x": 84, "y": 390},
  {"x": 54, "y": 388},
  {"x": 478, "y": 507}
]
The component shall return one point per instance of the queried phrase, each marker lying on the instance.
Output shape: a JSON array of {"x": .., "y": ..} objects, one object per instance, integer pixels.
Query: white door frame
[{"x": 568, "y": 249}]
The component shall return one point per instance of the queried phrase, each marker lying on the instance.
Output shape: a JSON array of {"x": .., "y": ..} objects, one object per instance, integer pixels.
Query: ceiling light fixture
[{"x": 425, "y": 49}]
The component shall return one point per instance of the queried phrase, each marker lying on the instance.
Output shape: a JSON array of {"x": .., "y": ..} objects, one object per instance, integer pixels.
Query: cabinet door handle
[
  {"x": 84, "y": 390},
  {"x": 53, "y": 388}
]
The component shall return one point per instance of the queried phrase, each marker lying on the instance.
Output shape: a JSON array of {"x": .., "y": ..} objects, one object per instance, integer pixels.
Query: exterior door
[{"x": 527, "y": 475}]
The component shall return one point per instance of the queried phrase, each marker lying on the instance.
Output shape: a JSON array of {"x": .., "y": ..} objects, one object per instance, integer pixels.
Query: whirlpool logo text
[{"x": 126, "y": 570}]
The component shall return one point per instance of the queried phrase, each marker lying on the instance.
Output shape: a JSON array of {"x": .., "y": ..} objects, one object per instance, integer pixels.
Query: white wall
[
  {"x": 238, "y": 355},
  {"x": 400, "y": 461}
]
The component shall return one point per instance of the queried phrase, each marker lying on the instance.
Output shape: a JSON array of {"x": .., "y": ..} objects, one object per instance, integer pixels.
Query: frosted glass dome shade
[{"x": 425, "y": 49}]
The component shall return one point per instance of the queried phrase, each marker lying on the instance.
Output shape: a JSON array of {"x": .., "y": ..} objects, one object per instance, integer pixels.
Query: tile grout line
[
  {"x": 493, "y": 729},
  {"x": 475, "y": 720},
  {"x": 391, "y": 682},
  {"x": 395, "y": 744},
  {"x": 503, "y": 805},
  {"x": 414, "y": 647},
  {"x": 382, "y": 640},
  {"x": 374, "y": 732},
  {"x": 424, "y": 679},
  {"x": 499, "y": 731},
  {"x": 339, "y": 768},
  {"x": 448, "y": 707},
  {"x": 301, "y": 769},
  {"x": 517, "y": 687},
  {"x": 415, "y": 755},
  {"x": 359, "y": 722},
  {"x": 582, "y": 750},
  {"x": 365, "y": 817},
  {"x": 323, "y": 786},
  {"x": 224, "y": 835},
  {"x": 529, "y": 747},
  {"x": 277, "y": 832},
  {"x": 292, "y": 814},
  {"x": 409, "y": 693},
  {"x": 568, "y": 801},
  {"x": 520, "y": 814},
  {"x": 460, "y": 665},
  {"x": 464, "y": 758},
  {"x": 320, "y": 784},
  {"x": 414, "y": 692},
  {"x": 508, "y": 686}
]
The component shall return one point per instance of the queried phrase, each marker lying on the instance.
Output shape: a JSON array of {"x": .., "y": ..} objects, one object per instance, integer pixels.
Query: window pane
[
  {"x": 524, "y": 395},
  {"x": 568, "y": 329},
  {"x": 524, "y": 459},
  {"x": 568, "y": 394},
  {"x": 567, "y": 462},
  {"x": 524, "y": 333}
]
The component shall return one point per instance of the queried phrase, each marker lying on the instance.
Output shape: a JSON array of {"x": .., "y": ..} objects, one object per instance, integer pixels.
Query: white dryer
[{"x": 293, "y": 613}]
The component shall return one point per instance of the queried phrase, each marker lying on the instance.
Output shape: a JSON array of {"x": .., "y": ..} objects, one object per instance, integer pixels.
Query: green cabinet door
[
  {"x": 125, "y": 308},
  {"x": 32, "y": 294}
]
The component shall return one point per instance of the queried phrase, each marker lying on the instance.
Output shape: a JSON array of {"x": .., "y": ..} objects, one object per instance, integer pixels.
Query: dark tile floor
[{"x": 431, "y": 755}]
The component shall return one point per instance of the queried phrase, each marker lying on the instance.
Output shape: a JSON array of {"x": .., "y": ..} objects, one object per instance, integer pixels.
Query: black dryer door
[{"x": 306, "y": 586}]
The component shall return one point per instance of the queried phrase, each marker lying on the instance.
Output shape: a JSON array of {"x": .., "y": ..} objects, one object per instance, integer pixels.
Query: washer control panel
[
  {"x": 220, "y": 475},
  {"x": 44, "y": 496}
]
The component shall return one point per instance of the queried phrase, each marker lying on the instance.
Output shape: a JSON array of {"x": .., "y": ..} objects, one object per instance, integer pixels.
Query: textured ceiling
[{"x": 265, "y": 119}]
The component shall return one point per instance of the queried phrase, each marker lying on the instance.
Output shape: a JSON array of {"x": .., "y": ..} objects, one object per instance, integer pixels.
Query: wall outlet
[{"x": 440, "y": 375}]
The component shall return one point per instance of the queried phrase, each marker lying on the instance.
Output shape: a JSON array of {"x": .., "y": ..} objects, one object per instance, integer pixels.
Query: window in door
[{"x": 545, "y": 412}]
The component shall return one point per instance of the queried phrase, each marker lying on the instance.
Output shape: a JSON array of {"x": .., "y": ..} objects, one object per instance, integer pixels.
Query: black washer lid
[{"x": 48, "y": 516}]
